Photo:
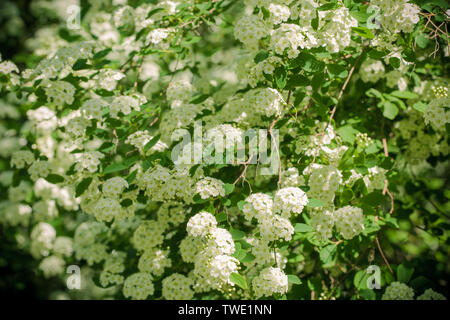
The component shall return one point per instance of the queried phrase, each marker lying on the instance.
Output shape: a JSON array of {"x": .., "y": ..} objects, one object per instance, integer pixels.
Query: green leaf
[
  {"x": 229, "y": 187},
  {"x": 236, "y": 234},
  {"x": 104, "y": 92},
  {"x": 367, "y": 294},
  {"x": 261, "y": 56},
  {"x": 337, "y": 70},
  {"x": 151, "y": 143},
  {"x": 199, "y": 98},
  {"x": 395, "y": 62},
  {"x": 360, "y": 279},
  {"x": 348, "y": 133},
  {"x": 328, "y": 6},
  {"x": 420, "y": 106},
  {"x": 327, "y": 253},
  {"x": 54, "y": 178},
  {"x": 280, "y": 75},
  {"x": 248, "y": 258},
  {"x": 80, "y": 64},
  {"x": 154, "y": 11},
  {"x": 294, "y": 279},
  {"x": 391, "y": 221},
  {"x": 390, "y": 110},
  {"x": 198, "y": 199},
  {"x": 374, "y": 198},
  {"x": 314, "y": 203},
  {"x": 301, "y": 228},
  {"x": 115, "y": 167},
  {"x": 239, "y": 280},
  {"x": 297, "y": 80},
  {"x": 404, "y": 94},
  {"x": 363, "y": 32},
  {"x": 126, "y": 203},
  {"x": 404, "y": 274},
  {"x": 101, "y": 54},
  {"x": 221, "y": 217},
  {"x": 82, "y": 186}
]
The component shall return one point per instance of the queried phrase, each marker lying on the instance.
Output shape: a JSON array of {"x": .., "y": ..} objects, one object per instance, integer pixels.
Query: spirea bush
[{"x": 121, "y": 120}]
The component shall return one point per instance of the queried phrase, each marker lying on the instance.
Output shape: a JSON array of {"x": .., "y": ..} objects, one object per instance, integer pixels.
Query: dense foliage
[{"x": 351, "y": 97}]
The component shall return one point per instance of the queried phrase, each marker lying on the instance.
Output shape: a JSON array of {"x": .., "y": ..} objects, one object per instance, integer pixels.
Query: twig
[{"x": 382, "y": 254}]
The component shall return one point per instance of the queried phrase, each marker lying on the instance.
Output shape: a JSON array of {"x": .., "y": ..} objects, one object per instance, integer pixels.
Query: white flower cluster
[
  {"x": 87, "y": 244},
  {"x": 292, "y": 37},
  {"x": 210, "y": 249},
  {"x": 249, "y": 29},
  {"x": 437, "y": 113},
  {"x": 289, "y": 200},
  {"x": 140, "y": 138},
  {"x": 398, "y": 15},
  {"x": 148, "y": 235},
  {"x": 270, "y": 281},
  {"x": 266, "y": 101},
  {"x": 39, "y": 169},
  {"x": 112, "y": 267},
  {"x": 430, "y": 294},
  {"x": 59, "y": 92},
  {"x": 324, "y": 180},
  {"x": 22, "y": 158},
  {"x": 323, "y": 222},
  {"x": 398, "y": 291},
  {"x": 154, "y": 261},
  {"x": 349, "y": 221},
  {"x": 138, "y": 286},
  {"x": 162, "y": 184},
  {"x": 210, "y": 188},
  {"x": 375, "y": 180},
  {"x": 126, "y": 104},
  {"x": 363, "y": 140},
  {"x": 177, "y": 287},
  {"x": 371, "y": 70}
]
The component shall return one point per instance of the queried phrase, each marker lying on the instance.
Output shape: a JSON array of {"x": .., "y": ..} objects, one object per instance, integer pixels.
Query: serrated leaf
[
  {"x": 236, "y": 234},
  {"x": 327, "y": 253},
  {"x": 221, "y": 217},
  {"x": 229, "y": 187},
  {"x": 238, "y": 280},
  {"x": 280, "y": 76}
]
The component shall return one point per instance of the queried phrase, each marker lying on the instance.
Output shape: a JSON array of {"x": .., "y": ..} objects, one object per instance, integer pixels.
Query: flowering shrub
[{"x": 351, "y": 97}]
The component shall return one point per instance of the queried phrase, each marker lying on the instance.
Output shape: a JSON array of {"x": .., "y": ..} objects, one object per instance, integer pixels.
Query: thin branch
[{"x": 382, "y": 254}]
